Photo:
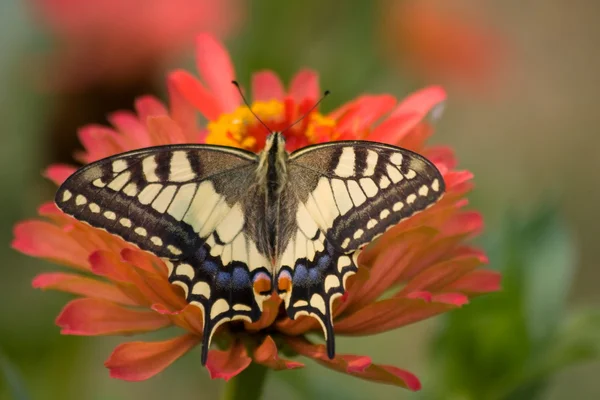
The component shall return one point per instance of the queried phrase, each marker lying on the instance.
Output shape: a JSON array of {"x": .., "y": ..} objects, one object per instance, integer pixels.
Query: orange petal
[
  {"x": 305, "y": 86},
  {"x": 267, "y": 355},
  {"x": 137, "y": 361},
  {"x": 82, "y": 286},
  {"x": 437, "y": 276},
  {"x": 91, "y": 317},
  {"x": 227, "y": 364},
  {"x": 216, "y": 70},
  {"x": 58, "y": 173},
  {"x": 358, "y": 366},
  {"x": 389, "y": 314},
  {"x": 266, "y": 86},
  {"x": 99, "y": 142},
  {"x": 365, "y": 111},
  {"x": 46, "y": 240},
  {"x": 477, "y": 282},
  {"x": 269, "y": 313},
  {"x": 194, "y": 92},
  {"x": 134, "y": 133}
]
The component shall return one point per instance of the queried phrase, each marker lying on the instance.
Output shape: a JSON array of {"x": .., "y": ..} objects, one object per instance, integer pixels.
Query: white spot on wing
[
  {"x": 343, "y": 262},
  {"x": 66, "y": 195},
  {"x": 120, "y": 181},
  {"x": 410, "y": 174},
  {"x": 398, "y": 206},
  {"x": 358, "y": 197},
  {"x": 372, "y": 158},
  {"x": 423, "y": 190},
  {"x": 95, "y": 208},
  {"x": 149, "y": 193},
  {"x": 156, "y": 240},
  {"x": 358, "y": 233},
  {"x": 110, "y": 215},
  {"x": 435, "y": 185},
  {"x": 149, "y": 168},
  {"x": 394, "y": 174},
  {"x": 119, "y": 165},
  {"x": 174, "y": 250},
  {"x": 331, "y": 282},
  {"x": 185, "y": 270},
  {"x": 384, "y": 214},
  {"x": 80, "y": 200},
  {"x": 180, "y": 167},
  {"x": 131, "y": 189},
  {"x": 241, "y": 307},
  {"x": 411, "y": 198},
  {"x": 99, "y": 183},
  {"x": 323, "y": 196},
  {"x": 317, "y": 302},
  {"x": 371, "y": 224},
  {"x": 345, "y": 166},
  {"x": 163, "y": 200},
  {"x": 202, "y": 289},
  {"x": 369, "y": 186},
  {"x": 384, "y": 182},
  {"x": 202, "y": 205},
  {"x": 305, "y": 221},
  {"x": 342, "y": 198},
  {"x": 219, "y": 307},
  {"x": 232, "y": 224},
  {"x": 182, "y": 200},
  {"x": 141, "y": 231},
  {"x": 396, "y": 158}
]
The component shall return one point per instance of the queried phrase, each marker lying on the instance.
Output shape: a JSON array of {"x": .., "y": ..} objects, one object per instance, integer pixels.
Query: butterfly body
[{"x": 234, "y": 226}]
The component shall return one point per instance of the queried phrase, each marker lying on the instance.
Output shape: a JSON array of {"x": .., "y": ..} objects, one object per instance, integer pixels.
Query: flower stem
[{"x": 248, "y": 385}]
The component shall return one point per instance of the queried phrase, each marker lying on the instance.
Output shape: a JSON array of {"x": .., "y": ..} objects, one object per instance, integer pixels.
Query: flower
[
  {"x": 423, "y": 265},
  {"x": 438, "y": 42},
  {"x": 114, "y": 41}
]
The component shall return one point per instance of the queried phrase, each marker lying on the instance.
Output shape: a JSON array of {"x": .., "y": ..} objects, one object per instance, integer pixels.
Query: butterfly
[{"x": 234, "y": 226}]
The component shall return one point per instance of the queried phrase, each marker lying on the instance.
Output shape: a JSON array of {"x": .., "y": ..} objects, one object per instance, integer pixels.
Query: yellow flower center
[{"x": 241, "y": 129}]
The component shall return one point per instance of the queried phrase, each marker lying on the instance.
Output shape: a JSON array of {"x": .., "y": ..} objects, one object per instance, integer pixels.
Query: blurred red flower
[
  {"x": 440, "y": 42},
  {"x": 110, "y": 41},
  {"x": 423, "y": 264}
]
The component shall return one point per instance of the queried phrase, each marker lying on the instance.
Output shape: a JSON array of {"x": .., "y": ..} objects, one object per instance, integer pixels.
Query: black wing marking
[
  {"x": 185, "y": 204},
  {"x": 349, "y": 193}
]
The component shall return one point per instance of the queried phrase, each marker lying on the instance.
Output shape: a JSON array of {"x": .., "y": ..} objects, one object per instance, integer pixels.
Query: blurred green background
[{"x": 522, "y": 115}]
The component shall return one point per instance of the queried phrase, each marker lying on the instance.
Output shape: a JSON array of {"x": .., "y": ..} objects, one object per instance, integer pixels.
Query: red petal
[
  {"x": 194, "y": 92},
  {"x": 480, "y": 281},
  {"x": 163, "y": 130},
  {"x": 58, "y": 173},
  {"x": 136, "y": 361},
  {"x": 305, "y": 86},
  {"x": 216, "y": 70},
  {"x": 393, "y": 130},
  {"x": 267, "y": 355},
  {"x": 100, "y": 317},
  {"x": 99, "y": 142},
  {"x": 43, "y": 239},
  {"x": 134, "y": 132},
  {"x": 420, "y": 102},
  {"x": 365, "y": 111},
  {"x": 227, "y": 364},
  {"x": 80, "y": 285},
  {"x": 457, "y": 299},
  {"x": 183, "y": 113},
  {"x": 389, "y": 314},
  {"x": 358, "y": 366},
  {"x": 148, "y": 106},
  {"x": 266, "y": 86}
]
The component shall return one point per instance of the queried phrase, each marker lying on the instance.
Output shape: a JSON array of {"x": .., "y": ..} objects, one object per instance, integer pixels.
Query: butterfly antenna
[
  {"x": 237, "y": 85},
  {"x": 325, "y": 94}
]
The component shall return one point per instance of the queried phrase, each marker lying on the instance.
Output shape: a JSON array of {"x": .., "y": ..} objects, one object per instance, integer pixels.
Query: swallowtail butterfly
[{"x": 234, "y": 226}]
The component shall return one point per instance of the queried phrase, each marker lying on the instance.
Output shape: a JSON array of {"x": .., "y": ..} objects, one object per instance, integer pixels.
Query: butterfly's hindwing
[{"x": 185, "y": 204}]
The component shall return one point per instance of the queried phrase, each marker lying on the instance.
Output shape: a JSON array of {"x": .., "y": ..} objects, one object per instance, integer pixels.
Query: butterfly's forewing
[
  {"x": 188, "y": 205},
  {"x": 349, "y": 193}
]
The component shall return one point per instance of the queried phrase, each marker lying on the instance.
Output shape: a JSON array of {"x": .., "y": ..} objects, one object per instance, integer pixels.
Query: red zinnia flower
[
  {"x": 423, "y": 264},
  {"x": 111, "y": 41}
]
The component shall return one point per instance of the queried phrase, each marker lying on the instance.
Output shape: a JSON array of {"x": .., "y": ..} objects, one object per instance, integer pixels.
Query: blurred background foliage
[{"x": 521, "y": 115}]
